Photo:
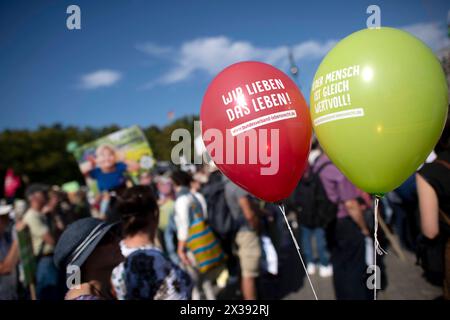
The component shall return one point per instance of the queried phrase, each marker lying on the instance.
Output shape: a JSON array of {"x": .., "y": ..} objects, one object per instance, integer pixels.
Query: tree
[{"x": 41, "y": 154}]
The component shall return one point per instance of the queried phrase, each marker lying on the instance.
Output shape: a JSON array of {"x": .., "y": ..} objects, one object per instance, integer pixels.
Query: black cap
[{"x": 79, "y": 240}]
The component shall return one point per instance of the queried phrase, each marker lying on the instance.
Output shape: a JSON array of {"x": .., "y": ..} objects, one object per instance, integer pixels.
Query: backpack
[
  {"x": 202, "y": 242},
  {"x": 311, "y": 202},
  {"x": 220, "y": 218}
]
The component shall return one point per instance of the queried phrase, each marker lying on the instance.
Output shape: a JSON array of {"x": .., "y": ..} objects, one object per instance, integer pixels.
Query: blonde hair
[{"x": 105, "y": 146}]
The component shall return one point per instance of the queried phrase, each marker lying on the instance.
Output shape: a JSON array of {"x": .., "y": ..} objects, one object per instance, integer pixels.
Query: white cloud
[
  {"x": 153, "y": 49},
  {"x": 100, "y": 78},
  {"x": 313, "y": 49},
  {"x": 432, "y": 33},
  {"x": 212, "y": 54}
]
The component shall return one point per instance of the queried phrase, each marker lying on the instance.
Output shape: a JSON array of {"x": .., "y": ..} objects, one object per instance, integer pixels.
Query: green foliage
[{"x": 41, "y": 154}]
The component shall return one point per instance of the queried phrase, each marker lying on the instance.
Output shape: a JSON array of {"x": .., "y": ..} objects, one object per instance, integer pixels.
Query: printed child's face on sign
[{"x": 106, "y": 159}]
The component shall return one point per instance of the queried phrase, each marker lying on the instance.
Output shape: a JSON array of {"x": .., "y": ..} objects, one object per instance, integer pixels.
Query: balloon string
[
  {"x": 281, "y": 206},
  {"x": 378, "y": 250}
]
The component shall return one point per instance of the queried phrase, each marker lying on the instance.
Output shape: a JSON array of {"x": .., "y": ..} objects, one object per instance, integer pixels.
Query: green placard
[{"x": 27, "y": 256}]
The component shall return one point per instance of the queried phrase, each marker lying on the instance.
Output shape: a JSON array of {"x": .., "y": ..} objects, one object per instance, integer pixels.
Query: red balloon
[{"x": 257, "y": 129}]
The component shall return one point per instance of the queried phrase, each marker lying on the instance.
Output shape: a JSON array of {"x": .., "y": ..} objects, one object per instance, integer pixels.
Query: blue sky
[{"x": 134, "y": 61}]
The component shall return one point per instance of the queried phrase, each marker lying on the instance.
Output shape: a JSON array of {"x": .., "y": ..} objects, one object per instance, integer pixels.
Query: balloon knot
[{"x": 378, "y": 195}]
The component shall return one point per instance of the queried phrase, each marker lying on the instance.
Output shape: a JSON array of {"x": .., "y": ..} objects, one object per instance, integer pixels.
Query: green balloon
[{"x": 379, "y": 102}]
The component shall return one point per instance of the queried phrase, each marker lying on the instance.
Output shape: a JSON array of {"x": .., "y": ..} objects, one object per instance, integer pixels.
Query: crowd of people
[{"x": 190, "y": 234}]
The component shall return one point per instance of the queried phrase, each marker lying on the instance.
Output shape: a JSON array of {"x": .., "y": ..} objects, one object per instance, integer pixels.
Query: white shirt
[{"x": 182, "y": 206}]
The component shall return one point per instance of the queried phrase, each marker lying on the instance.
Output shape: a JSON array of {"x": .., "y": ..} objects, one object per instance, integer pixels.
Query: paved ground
[{"x": 404, "y": 283}]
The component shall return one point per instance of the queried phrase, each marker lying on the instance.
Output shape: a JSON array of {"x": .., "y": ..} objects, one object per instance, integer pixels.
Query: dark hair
[
  {"x": 181, "y": 178},
  {"x": 444, "y": 141},
  {"x": 138, "y": 210},
  {"x": 36, "y": 188}
]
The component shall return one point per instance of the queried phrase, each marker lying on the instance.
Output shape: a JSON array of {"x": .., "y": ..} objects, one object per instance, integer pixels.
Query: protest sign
[
  {"x": 115, "y": 160},
  {"x": 28, "y": 260}
]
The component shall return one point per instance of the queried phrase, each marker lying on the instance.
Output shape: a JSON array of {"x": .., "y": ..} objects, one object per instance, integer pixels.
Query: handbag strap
[
  {"x": 444, "y": 217},
  {"x": 443, "y": 162}
]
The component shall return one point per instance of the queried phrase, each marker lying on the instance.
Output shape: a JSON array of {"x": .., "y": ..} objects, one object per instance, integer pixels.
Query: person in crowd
[
  {"x": 305, "y": 201},
  {"x": 9, "y": 255},
  {"x": 433, "y": 188},
  {"x": 43, "y": 242},
  {"x": 404, "y": 204},
  {"x": 243, "y": 209},
  {"x": 308, "y": 204},
  {"x": 87, "y": 252},
  {"x": 166, "y": 226},
  {"x": 146, "y": 273},
  {"x": 198, "y": 248},
  {"x": 222, "y": 223},
  {"x": 317, "y": 233},
  {"x": 165, "y": 194},
  {"x": 348, "y": 256},
  {"x": 171, "y": 240},
  {"x": 75, "y": 205},
  {"x": 146, "y": 178},
  {"x": 54, "y": 213},
  {"x": 166, "y": 201},
  {"x": 197, "y": 182}
]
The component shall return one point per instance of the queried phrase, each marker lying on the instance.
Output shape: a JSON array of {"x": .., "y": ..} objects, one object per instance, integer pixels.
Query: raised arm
[
  {"x": 355, "y": 212},
  {"x": 249, "y": 214},
  {"x": 429, "y": 208},
  {"x": 10, "y": 262}
]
